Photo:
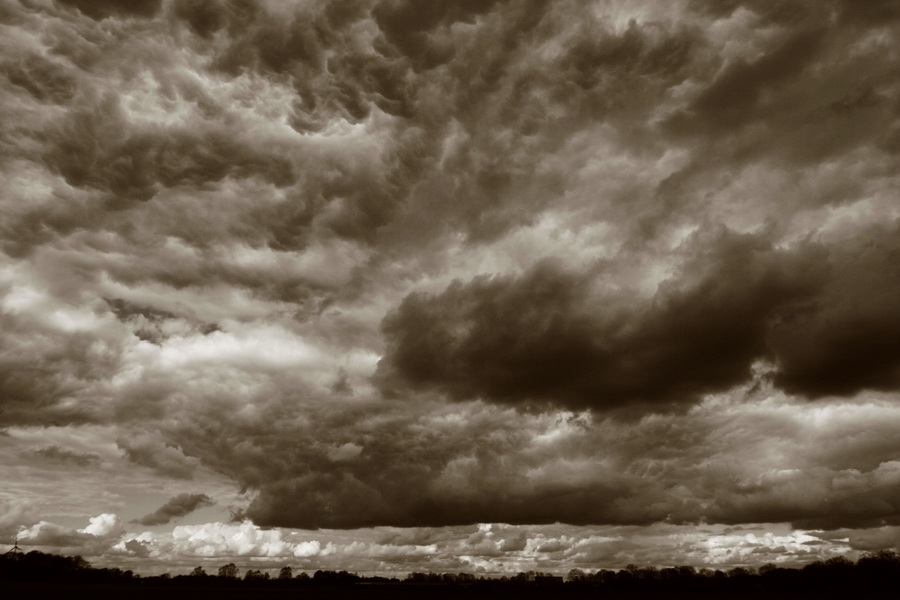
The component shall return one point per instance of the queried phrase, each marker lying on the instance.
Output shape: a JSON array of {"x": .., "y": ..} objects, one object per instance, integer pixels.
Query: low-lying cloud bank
[{"x": 489, "y": 549}]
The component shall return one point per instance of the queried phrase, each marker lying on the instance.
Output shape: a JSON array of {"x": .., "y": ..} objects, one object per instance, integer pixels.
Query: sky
[{"x": 485, "y": 286}]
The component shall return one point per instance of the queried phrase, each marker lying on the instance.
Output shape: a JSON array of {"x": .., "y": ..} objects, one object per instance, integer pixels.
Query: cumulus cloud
[
  {"x": 98, "y": 537},
  {"x": 179, "y": 506},
  {"x": 244, "y": 539}
]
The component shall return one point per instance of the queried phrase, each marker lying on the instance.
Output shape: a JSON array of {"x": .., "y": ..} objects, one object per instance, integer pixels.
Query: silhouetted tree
[
  {"x": 687, "y": 572},
  {"x": 332, "y": 578},
  {"x": 525, "y": 577},
  {"x": 881, "y": 559},
  {"x": 255, "y": 575},
  {"x": 835, "y": 577},
  {"x": 839, "y": 562},
  {"x": 879, "y": 568}
]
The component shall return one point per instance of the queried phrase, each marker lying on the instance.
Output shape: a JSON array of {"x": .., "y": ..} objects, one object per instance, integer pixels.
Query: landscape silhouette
[{"x": 38, "y": 575}]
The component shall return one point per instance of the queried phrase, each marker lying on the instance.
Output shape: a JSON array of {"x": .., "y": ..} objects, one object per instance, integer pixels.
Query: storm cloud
[
  {"x": 179, "y": 506},
  {"x": 825, "y": 316},
  {"x": 470, "y": 281}
]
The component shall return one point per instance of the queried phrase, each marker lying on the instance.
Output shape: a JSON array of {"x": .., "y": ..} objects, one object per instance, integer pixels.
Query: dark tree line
[
  {"x": 37, "y": 566},
  {"x": 874, "y": 574}
]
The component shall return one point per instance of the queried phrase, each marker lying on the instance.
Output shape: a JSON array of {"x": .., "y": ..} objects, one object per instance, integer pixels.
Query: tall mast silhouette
[{"x": 15, "y": 549}]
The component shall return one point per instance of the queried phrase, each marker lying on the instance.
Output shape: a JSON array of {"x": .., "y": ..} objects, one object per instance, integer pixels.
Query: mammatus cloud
[
  {"x": 179, "y": 506},
  {"x": 361, "y": 265}
]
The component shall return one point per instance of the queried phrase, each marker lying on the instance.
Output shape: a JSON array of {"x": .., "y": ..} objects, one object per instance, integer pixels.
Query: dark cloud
[
  {"x": 101, "y": 9},
  {"x": 179, "y": 506},
  {"x": 879, "y": 12},
  {"x": 44, "y": 79},
  {"x": 407, "y": 26},
  {"x": 789, "y": 12},
  {"x": 305, "y": 502},
  {"x": 97, "y": 149},
  {"x": 459, "y": 473},
  {"x": 167, "y": 460},
  {"x": 743, "y": 463},
  {"x": 137, "y": 548},
  {"x": 734, "y": 96},
  {"x": 824, "y": 316},
  {"x": 460, "y": 338},
  {"x": 285, "y": 43},
  {"x": 547, "y": 335},
  {"x": 796, "y": 99},
  {"x": 842, "y": 342},
  {"x": 37, "y": 380},
  {"x": 66, "y": 457},
  {"x": 204, "y": 17},
  {"x": 814, "y": 499},
  {"x": 154, "y": 325}
]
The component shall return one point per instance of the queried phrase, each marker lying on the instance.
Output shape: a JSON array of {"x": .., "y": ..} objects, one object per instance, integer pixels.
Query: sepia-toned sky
[{"x": 463, "y": 285}]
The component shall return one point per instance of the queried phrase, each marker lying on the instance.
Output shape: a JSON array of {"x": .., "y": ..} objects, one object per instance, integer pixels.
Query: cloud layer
[{"x": 369, "y": 264}]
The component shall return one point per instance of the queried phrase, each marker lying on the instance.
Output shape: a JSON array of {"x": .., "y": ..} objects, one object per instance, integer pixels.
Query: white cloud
[
  {"x": 103, "y": 525},
  {"x": 244, "y": 539}
]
